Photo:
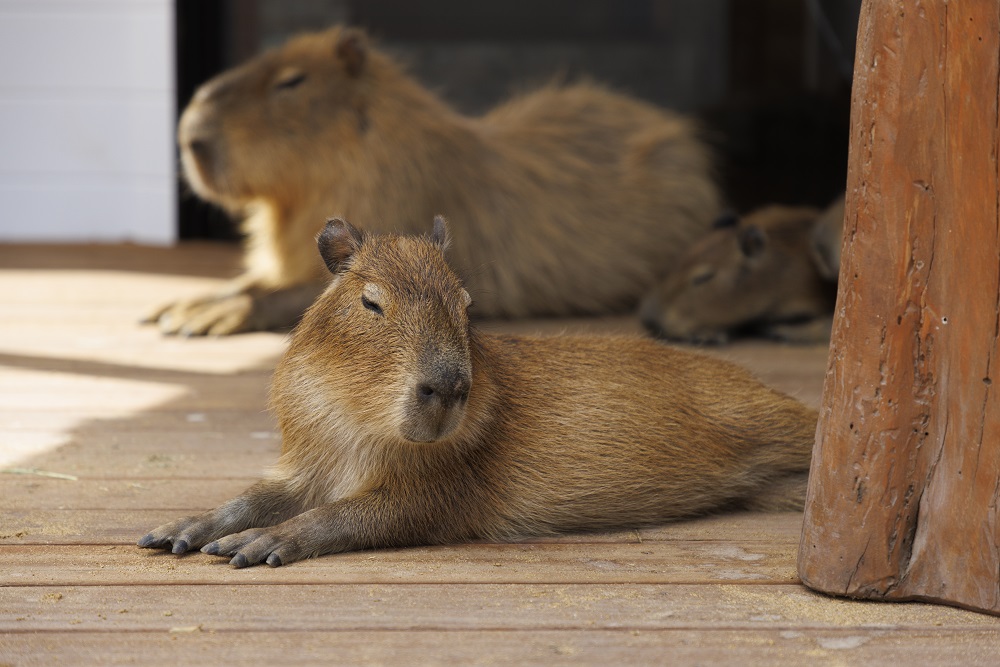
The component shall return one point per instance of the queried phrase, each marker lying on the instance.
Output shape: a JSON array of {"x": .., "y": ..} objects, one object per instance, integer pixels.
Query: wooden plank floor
[{"x": 108, "y": 429}]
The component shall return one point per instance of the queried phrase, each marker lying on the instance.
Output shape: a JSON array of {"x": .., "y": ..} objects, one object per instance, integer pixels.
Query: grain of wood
[
  {"x": 151, "y": 422},
  {"x": 375, "y": 606},
  {"x": 139, "y": 456},
  {"x": 210, "y": 260},
  {"x": 719, "y": 646},
  {"x": 598, "y": 561},
  {"x": 29, "y": 493}
]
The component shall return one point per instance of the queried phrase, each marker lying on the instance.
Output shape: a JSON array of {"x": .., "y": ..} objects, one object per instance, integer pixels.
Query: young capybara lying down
[
  {"x": 770, "y": 273},
  {"x": 571, "y": 199},
  {"x": 404, "y": 425}
]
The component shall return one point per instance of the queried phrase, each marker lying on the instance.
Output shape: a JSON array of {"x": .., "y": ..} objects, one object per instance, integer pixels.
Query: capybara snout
[{"x": 443, "y": 381}]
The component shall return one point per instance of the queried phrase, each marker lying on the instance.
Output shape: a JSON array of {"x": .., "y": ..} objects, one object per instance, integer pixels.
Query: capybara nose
[{"x": 447, "y": 391}]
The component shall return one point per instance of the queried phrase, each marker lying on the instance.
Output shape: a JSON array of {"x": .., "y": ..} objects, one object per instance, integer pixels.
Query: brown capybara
[
  {"x": 827, "y": 239},
  {"x": 571, "y": 199},
  {"x": 757, "y": 274},
  {"x": 403, "y": 424}
]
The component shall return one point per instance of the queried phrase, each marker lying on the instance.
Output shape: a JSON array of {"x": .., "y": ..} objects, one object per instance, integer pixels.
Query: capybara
[
  {"x": 568, "y": 200},
  {"x": 756, "y": 274},
  {"x": 827, "y": 239},
  {"x": 402, "y": 424}
]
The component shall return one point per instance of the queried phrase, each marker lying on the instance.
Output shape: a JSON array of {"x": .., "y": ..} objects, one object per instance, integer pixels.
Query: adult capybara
[
  {"x": 571, "y": 199},
  {"x": 403, "y": 424},
  {"x": 756, "y": 274}
]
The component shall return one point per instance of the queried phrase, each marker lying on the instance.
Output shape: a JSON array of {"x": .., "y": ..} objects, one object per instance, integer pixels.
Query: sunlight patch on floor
[
  {"x": 72, "y": 351},
  {"x": 95, "y": 315},
  {"x": 77, "y": 399}
]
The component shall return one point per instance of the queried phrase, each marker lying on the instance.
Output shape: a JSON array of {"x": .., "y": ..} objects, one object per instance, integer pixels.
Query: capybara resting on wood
[
  {"x": 571, "y": 199},
  {"x": 761, "y": 273},
  {"x": 402, "y": 424}
]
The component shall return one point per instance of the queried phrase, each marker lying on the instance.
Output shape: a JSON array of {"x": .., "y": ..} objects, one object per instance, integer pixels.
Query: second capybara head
[
  {"x": 267, "y": 116},
  {"x": 747, "y": 272}
]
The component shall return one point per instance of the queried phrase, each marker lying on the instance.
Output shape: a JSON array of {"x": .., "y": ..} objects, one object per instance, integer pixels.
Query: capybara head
[
  {"x": 268, "y": 116},
  {"x": 743, "y": 271},
  {"x": 395, "y": 329}
]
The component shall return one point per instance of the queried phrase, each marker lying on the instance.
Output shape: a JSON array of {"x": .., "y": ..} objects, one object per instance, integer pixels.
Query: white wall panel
[
  {"x": 86, "y": 121},
  {"x": 56, "y": 209},
  {"x": 128, "y": 49},
  {"x": 107, "y": 134}
]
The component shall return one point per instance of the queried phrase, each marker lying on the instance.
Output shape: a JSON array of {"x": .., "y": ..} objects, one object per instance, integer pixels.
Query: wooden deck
[{"x": 108, "y": 429}]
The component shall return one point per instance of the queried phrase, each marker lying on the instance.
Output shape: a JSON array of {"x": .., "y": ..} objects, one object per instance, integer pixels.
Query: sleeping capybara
[{"x": 758, "y": 273}]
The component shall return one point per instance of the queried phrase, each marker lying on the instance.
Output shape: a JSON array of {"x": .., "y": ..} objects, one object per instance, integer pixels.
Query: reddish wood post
[{"x": 905, "y": 484}]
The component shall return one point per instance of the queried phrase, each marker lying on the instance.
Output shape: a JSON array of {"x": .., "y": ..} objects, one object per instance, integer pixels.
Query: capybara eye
[
  {"x": 371, "y": 305},
  {"x": 290, "y": 81},
  {"x": 702, "y": 277}
]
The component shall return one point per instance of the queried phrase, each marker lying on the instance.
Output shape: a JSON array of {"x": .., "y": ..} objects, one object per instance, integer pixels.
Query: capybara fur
[
  {"x": 568, "y": 200},
  {"x": 402, "y": 424},
  {"x": 827, "y": 239},
  {"x": 757, "y": 274}
]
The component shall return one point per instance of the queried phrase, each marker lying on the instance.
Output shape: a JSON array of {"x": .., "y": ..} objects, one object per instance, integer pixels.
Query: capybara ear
[
  {"x": 352, "y": 51},
  {"x": 753, "y": 240},
  {"x": 338, "y": 241},
  {"x": 440, "y": 235}
]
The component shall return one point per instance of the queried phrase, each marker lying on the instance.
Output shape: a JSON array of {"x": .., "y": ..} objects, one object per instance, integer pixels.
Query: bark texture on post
[{"x": 905, "y": 484}]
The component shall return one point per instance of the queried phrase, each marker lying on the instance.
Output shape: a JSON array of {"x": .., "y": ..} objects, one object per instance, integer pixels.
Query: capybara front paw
[
  {"x": 255, "y": 546},
  {"x": 215, "y": 316},
  {"x": 182, "y": 535}
]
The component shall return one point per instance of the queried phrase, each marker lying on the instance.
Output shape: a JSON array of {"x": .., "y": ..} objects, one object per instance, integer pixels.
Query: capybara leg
[
  {"x": 366, "y": 521},
  {"x": 264, "y": 504},
  {"x": 229, "y": 312}
]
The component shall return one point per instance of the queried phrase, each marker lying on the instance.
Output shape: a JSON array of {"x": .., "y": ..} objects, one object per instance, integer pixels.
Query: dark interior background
[{"x": 770, "y": 79}]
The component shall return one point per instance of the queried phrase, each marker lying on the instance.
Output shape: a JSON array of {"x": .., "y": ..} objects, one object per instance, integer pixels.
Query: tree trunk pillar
[{"x": 905, "y": 483}]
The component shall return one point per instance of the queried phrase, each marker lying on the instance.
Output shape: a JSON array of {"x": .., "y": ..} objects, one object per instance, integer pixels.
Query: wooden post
[{"x": 905, "y": 484}]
